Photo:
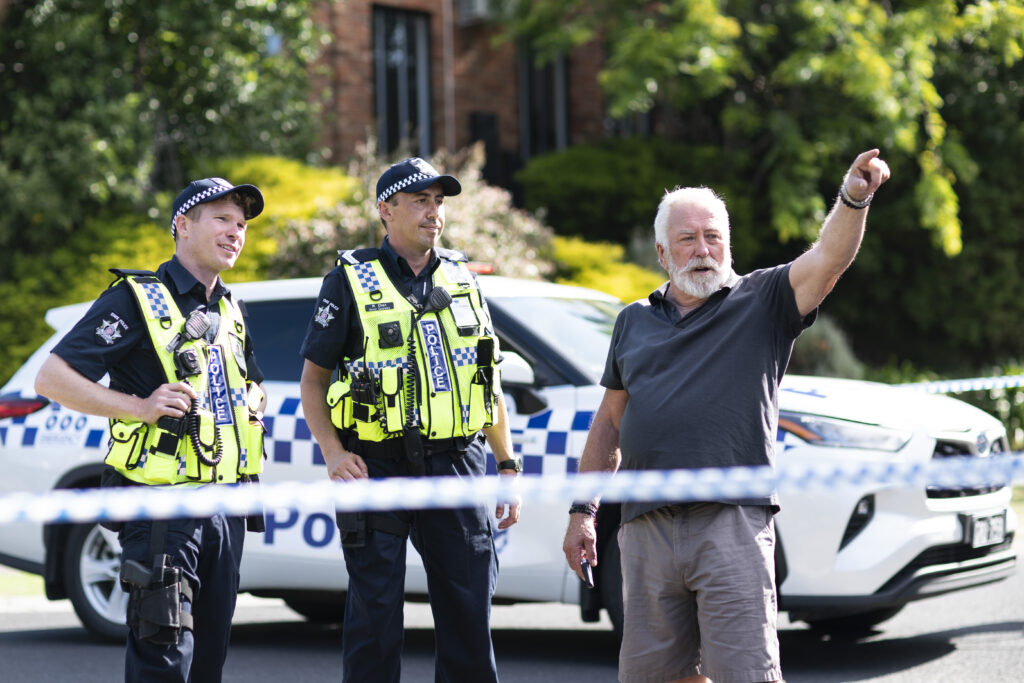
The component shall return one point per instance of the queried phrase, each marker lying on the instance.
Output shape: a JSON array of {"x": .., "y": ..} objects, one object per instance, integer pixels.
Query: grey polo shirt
[{"x": 703, "y": 389}]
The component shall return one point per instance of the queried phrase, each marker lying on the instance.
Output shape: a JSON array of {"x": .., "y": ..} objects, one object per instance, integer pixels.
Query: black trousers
[
  {"x": 458, "y": 554},
  {"x": 210, "y": 552}
]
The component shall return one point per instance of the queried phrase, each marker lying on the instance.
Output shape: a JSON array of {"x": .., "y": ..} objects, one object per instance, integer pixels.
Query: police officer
[
  {"x": 409, "y": 333},
  {"x": 184, "y": 405}
]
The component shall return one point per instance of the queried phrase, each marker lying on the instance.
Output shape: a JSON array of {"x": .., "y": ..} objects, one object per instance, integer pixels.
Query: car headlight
[{"x": 827, "y": 431}]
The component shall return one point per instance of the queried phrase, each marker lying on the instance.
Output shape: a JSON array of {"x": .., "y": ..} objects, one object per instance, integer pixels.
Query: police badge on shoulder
[
  {"x": 109, "y": 330},
  {"x": 325, "y": 314}
]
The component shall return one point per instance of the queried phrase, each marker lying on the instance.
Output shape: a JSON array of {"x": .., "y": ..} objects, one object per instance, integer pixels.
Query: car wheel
[
  {"x": 92, "y": 563},
  {"x": 609, "y": 581},
  {"x": 852, "y": 624},
  {"x": 330, "y": 610}
]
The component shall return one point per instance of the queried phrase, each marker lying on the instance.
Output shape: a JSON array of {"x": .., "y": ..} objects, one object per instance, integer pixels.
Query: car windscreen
[
  {"x": 580, "y": 329},
  {"x": 277, "y": 329}
]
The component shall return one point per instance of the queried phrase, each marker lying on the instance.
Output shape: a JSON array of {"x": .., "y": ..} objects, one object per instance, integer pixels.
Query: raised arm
[{"x": 815, "y": 272}]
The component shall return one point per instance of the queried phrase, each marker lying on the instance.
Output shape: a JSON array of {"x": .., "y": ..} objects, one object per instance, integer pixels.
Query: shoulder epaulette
[
  {"x": 451, "y": 254},
  {"x": 122, "y": 273},
  {"x": 125, "y": 272},
  {"x": 354, "y": 256}
]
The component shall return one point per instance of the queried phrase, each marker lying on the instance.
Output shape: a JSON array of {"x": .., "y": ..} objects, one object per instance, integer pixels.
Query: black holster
[
  {"x": 352, "y": 526},
  {"x": 356, "y": 526},
  {"x": 155, "y": 596},
  {"x": 254, "y": 521}
]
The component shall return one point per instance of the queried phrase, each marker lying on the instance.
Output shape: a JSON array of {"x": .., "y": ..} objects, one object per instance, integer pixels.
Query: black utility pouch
[
  {"x": 414, "y": 452},
  {"x": 254, "y": 521},
  {"x": 352, "y": 526}
]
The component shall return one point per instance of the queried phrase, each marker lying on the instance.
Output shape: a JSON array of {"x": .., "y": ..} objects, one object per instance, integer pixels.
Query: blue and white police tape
[
  {"x": 85, "y": 505},
  {"x": 959, "y": 386}
]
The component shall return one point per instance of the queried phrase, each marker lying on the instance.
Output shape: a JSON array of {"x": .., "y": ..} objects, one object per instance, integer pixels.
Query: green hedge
[{"x": 606, "y": 191}]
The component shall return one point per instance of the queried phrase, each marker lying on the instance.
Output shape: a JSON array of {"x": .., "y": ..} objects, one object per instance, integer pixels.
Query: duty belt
[{"x": 393, "y": 449}]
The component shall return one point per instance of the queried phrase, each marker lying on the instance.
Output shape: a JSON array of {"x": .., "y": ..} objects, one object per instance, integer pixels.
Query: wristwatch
[{"x": 514, "y": 464}]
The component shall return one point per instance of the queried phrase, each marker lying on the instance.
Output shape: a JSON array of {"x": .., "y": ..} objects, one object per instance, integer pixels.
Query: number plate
[{"x": 985, "y": 530}]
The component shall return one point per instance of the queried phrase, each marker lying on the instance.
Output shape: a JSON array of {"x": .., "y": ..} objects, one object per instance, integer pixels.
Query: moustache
[{"x": 701, "y": 262}]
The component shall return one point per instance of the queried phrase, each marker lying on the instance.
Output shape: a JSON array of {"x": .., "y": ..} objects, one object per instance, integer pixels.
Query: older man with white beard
[{"x": 692, "y": 381}]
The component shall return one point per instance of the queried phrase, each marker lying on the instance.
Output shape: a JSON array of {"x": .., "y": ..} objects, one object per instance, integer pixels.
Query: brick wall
[{"x": 485, "y": 81}]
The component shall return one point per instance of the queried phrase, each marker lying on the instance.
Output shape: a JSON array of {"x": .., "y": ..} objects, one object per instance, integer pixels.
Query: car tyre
[
  {"x": 92, "y": 564},
  {"x": 329, "y": 610},
  {"x": 609, "y": 580},
  {"x": 853, "y": 624}
]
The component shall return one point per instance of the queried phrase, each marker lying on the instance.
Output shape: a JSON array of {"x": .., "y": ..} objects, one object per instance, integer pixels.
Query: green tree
[
  {"x": 103, "y": 103},
  {"x": 788, "y": 93},
  {"x": 798, "y": 86}
]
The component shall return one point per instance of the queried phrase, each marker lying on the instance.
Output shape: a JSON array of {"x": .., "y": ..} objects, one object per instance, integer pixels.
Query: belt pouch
[
  {"x": 161, "y": 465},
  {"x": 254, "y": 433},
  {"x": 160, "y": 468},
  {"x": 352, "y": 527},
  {"x": 390, "y": 389},
  {"x": 339, "y": 400},
  {"x": 127, "y": 441}
]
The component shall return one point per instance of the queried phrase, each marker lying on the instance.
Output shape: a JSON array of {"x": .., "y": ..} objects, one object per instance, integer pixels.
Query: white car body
[{"x": 913, "y": 543}]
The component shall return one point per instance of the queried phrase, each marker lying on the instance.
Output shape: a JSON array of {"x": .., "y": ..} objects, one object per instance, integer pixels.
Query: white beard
[{"x": 699, "y": 285}]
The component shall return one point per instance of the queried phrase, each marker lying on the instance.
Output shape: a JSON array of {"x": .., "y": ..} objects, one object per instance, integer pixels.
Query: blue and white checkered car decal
[{"x": 25, "y": 431}]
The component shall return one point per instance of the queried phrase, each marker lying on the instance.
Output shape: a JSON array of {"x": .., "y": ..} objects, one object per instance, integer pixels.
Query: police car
[{"x": 848, "y": 557}]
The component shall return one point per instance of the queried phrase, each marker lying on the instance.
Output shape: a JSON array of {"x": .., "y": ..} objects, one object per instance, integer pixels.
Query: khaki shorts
[{"x": 699, "y": 595}]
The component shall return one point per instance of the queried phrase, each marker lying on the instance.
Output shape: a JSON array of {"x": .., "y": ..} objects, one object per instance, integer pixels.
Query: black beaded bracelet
[
  {"x": 845, "y": 198},
  {"x": 588, "y": 508}
]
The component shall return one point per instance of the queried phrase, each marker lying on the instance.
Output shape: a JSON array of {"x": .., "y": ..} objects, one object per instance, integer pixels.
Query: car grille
[
  {"x": 950, "y": 449},
  {"x": 945, "y": 554}
]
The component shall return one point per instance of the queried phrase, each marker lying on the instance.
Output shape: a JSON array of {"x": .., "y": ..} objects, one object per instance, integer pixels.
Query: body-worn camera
[
  {"x": 363, "y": 388},
  {"x": 186, "y": 362}
]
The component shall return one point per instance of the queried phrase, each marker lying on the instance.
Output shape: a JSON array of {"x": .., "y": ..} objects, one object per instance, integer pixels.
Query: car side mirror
[
  {"x": 515, "y": 369},
  {"x": 517, "y": 379}
]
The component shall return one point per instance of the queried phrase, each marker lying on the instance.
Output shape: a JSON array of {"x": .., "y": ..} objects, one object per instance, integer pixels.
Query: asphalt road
[{"x": 975, "y": 636}]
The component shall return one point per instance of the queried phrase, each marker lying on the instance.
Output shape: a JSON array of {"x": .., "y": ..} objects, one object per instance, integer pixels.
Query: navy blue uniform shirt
[{"x": 112, "y": 337}]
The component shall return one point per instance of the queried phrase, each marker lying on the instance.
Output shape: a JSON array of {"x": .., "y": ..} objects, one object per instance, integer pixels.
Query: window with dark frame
[
  {"x": 401, "y": 67},
  {"x": 543, "y": 104}
]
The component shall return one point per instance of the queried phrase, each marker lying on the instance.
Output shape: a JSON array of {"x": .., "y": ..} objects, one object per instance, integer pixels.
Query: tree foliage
[
  {"x": 105, "y": 102},
  {"x": 787, "y": 93},
  {"x": 796, "y": 85},
  {"x": 73, "y": 270}
]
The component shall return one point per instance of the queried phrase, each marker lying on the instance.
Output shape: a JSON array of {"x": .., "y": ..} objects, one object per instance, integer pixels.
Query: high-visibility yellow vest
[
  {"x": 431, "y": 370},
  {"x": 222, "y": 422}
]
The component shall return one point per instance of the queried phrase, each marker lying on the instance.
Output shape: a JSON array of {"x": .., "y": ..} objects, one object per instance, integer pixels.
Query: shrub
[
  {"x": 601, "y": 266},
  {"x": 76, "y": 269},
  {"x": 608, "y": 190},
  {"x": 481, "y": 221},
  {"x": 823, "y": 350}
]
